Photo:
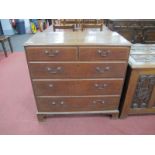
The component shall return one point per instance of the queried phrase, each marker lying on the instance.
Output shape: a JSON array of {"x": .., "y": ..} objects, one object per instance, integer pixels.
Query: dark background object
[
  {"x": 134, "y": 30},
  {"x": 1, "y": 31},
  {"x": 20, "y": 26}
]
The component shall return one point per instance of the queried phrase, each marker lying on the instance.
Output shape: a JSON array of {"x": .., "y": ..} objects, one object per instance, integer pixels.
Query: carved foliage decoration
[{"x": 143, "y": 91}]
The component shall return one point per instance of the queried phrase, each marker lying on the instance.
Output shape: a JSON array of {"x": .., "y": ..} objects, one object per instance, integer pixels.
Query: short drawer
[
  {"x": 51, "y": 53},
  {"x": 70, "y": 104},
  {"x": 77, "y": 70},
  {"x": 103, "y": 53},
  {"x": 77, "y": 87}
]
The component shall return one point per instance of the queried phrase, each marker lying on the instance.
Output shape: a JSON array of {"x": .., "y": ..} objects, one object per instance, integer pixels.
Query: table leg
[
  {"x": 10, "y": 45},
  {"x": 5, "y": 51},
  {"x": 40, "y": 117},
  {"x": 115, "y": 116}
]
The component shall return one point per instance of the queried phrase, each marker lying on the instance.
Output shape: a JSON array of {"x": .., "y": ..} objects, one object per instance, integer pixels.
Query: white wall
[
  {"x": 27, "y": 25},
  {"x": 6, "y": 26}
]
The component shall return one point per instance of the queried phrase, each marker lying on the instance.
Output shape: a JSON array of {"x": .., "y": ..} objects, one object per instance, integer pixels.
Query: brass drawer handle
[
  {"x": 103, "y": 53},
  {"x": 52, "y": 53},
  {"x": 53, "y": 70},
  {"x": 102, "y": 70},
  {"x": 50, "y": 85},
  {"x": 62, "y": 102},
  {"x": 54, "y": 103},
  {"x": 101, "y": 86},
  {"x": 98, "y": 101}
]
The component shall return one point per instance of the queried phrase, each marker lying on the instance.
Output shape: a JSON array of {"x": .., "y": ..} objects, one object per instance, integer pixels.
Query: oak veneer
[{"x": 77, "y": 70}]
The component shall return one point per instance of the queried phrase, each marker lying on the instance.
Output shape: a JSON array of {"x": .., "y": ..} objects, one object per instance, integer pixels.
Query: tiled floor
[{"x": 17, "y": 42}]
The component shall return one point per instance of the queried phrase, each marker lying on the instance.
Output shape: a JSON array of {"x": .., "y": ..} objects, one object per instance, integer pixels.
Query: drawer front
[
  {"x": 77, "y": 70},
  {"x": 68, "y": 104},
  {"x": 77, "y": 87},
  {"x": 103, "y": 53},
  {"x": 51, "y": 53}
]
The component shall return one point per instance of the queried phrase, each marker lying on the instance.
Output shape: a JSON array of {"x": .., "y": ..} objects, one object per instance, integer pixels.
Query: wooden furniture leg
[
  {"x": 115, "y": 116},
  {"x": 123, "y": 116},
  {"x": 40, "y": 117},
  {"x": 10, "y": 45}
]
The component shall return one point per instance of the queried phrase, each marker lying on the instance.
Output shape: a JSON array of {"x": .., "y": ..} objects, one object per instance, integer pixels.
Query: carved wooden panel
[
  {"x": 143, "y": 31},
  {"x": 143, "y": 91}
]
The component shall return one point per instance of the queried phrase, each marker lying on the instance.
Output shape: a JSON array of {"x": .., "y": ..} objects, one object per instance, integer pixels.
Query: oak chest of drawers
[
  {"x": 139, "y": 91},
  {"x": 77, "y": 72}
]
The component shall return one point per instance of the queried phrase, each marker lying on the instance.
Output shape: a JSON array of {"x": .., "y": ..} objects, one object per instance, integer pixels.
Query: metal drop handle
[
  {"x": 102, "y": 70},
  {"x": 62, "y": 102},
  {"x": 50, "y": 85},
  {"x": 101, "y": 86},
  {"x": 98, "y": 101},
  {"x": 103, "y": 53},
  {"x": 51, "y": 53},
  {"x": 53, "y": 70},
  {"x": 54, "y": 103}
]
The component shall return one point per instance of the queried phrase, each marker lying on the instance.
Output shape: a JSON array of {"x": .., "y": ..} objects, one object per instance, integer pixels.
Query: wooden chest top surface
[{"x": 106, "y": 37}]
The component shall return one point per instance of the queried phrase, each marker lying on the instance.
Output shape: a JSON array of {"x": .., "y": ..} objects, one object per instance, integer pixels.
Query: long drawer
[
  {"x": 51, "y": 53},
  {"x": 68, "y": 104},
  {"x": 77, "y": 87},
  {"x": 77, "y": 70},
  {"x": 103, "y": 53}
]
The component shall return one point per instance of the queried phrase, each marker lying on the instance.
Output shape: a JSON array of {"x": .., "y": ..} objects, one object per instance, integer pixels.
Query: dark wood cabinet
[
  {"x": 135, "y": 30},
  {"x": 77, "y": 72},
  {"x": 139, "y": 89}
]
